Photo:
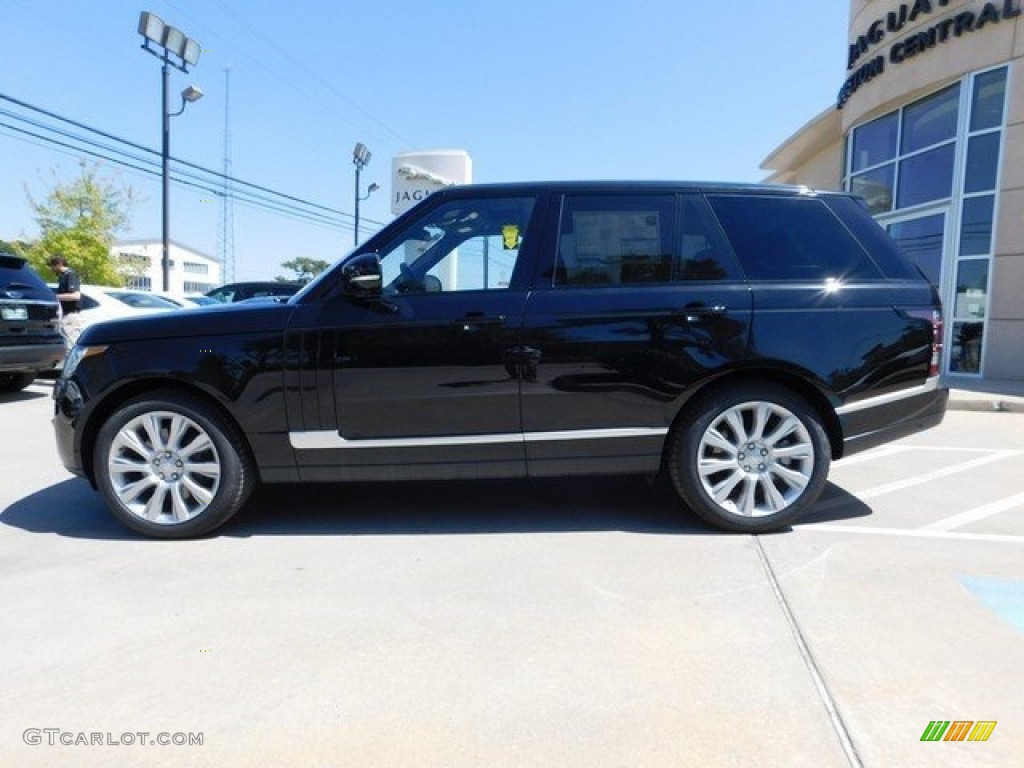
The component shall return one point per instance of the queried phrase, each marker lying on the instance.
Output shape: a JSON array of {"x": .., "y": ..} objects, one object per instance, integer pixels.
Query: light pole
[
  {"x": 186, "y": 51},
  {"x": 360, "y": 157}
]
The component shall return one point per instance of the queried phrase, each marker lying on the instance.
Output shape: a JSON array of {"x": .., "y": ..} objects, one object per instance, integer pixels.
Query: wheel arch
[
  {"x": 800, "y": 385},
  {"x": 114, "y": 400}
]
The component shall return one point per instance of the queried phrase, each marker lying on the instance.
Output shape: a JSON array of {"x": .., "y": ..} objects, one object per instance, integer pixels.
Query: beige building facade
[{"x": 928, "y": 126}]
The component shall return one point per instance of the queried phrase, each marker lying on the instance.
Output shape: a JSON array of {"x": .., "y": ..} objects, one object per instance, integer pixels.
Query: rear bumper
[
  {"x": 32, "y": 357},
  {"x": 871, "y": 422}
]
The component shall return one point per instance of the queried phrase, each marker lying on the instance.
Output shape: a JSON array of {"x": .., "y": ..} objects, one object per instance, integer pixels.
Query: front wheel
[
  {"x": 171, "y": 466},
  {"x": 750, "y": 458}
]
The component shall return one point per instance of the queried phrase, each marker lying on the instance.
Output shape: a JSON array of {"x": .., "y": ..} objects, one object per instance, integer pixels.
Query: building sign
[
  {"x": 866, "y": 61},
  {"x": 417, "y": 175}
]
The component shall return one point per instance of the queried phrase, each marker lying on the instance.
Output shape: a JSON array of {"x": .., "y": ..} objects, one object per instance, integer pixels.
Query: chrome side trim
[
  {"x": 931, "y": 385},
  {"x": 329, "y": 438}
]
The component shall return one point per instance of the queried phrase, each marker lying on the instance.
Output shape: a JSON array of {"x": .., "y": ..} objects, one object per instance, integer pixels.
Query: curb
[{"x": 989, "y": 403}]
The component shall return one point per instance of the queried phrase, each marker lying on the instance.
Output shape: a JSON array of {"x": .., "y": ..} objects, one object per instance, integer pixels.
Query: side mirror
[{"x": 361, "y": 278}]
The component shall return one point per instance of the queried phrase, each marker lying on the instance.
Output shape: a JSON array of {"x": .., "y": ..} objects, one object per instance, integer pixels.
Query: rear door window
[
  {"x": 791, "y": 238},
  {"x": 613, "y": 239}
]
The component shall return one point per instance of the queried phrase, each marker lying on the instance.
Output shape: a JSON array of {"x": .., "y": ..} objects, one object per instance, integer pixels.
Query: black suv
[
  {"x": 736, "y": 338},
  {"x": 30, "y": 338}
]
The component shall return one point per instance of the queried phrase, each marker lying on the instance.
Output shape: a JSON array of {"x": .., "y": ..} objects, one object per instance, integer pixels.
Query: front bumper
[{"x": 67, "y": 408}]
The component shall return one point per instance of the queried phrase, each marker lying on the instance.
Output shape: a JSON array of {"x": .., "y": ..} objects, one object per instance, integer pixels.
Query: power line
[
  {"x": 244, "y": 199},
  {"x": 252, "y": 193}
]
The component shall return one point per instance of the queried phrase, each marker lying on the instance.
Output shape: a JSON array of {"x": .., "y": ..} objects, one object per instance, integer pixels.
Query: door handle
[
  {"x": 696, "y": 314},
  {"x": 473, "y": 321}
]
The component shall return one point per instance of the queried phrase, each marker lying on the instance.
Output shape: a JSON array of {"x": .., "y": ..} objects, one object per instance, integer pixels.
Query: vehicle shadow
[
  {"x": 596, "y": 504},
  {"x": 70, "y": 508},
  {"x": 23, "y": 396}
]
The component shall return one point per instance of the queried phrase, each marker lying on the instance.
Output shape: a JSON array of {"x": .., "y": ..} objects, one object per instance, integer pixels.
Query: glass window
[
  {"x": 875, "y": 142},
  {"x": 966, "y": 353},
  {"x": 786, "y": 238},
  {"x": 876, "y": 187},
  {"x": 462, "y": 245},
  {"x": 931, "y": 120},
  {"x": 704, "y": 253},
  {"x": 976, "y": 226},
  {"x": 982, "y": 163},
  {"x": 971, "y": 288},
  {"x": 921, "y": 240},
  {"x": 989, "y": 95},
  {"x": 926, "y": 177},
  {"x": 606, "y": 239}
]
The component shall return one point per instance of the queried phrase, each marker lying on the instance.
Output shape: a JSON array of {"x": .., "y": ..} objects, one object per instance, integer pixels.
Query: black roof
[{"x": 646, "y": 185}]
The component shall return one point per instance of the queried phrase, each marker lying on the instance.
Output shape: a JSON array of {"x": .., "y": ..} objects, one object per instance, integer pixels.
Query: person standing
[{"x": 69, "y": 294}]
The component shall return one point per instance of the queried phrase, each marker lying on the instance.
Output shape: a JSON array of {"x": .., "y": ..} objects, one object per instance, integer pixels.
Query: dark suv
[
  {"x": 30, "y": 338},
  {"x": 736, "y": 338}
]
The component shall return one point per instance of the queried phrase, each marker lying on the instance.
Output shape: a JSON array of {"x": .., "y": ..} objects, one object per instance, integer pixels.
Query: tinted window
[
  {"x": 875, "y": 142},
  {"x": 925, "y": 177},
  {"x": 989, "y": 95},
  {"x": 462, "y": 245},
  {"x": 608, "y": 239},
  {"x": 704, "y": 252},
  {"x": 790, "y": 238},
  {"x": 884, "y": 251},
  {"x": 17, "y": 276},
  {"x": 931, "y": 120}
]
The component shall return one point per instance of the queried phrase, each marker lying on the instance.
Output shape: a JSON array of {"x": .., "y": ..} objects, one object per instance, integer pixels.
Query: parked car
[
  {"x": 30, "y": 339},
  {"x": 737, "y": 338},
  {"x": 141, "y": 299},
  {"x": 187, "y": 300},
  {"x": 232, "y": 292},
  {"x": 104, "y": 302}
]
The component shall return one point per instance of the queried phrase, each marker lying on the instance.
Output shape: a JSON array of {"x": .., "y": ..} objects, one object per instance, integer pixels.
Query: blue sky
[{"x": 535, "y": 89}]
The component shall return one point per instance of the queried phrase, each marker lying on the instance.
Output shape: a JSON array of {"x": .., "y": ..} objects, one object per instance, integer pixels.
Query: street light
[
  {"x": 172, "y": 41},
  {"x": 360, "y": 157}
]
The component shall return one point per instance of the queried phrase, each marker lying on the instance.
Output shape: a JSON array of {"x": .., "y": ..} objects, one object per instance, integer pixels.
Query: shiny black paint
[{"x": 531, "y": 358}]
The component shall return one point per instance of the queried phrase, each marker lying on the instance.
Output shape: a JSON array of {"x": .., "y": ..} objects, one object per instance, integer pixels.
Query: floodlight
[
  {"x": 174, "y": 41},
  {"x": 151, "y": 27},
  {"x": 191, "y": 52}
]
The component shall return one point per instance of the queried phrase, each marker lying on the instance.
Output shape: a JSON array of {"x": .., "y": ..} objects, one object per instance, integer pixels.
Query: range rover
[{"x": 736, "y": 338}]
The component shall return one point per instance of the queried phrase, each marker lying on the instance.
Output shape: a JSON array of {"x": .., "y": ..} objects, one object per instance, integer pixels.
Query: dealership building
[{"x": 928, "y": 127}]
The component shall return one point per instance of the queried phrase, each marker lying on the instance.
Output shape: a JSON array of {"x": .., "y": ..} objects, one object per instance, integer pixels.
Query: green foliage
[
  {"x": 86, "y": 254},
  {"x": 15, "y": 247},
  {"x": 305, "y": 268},
  {"x": 78, "y": 220}
]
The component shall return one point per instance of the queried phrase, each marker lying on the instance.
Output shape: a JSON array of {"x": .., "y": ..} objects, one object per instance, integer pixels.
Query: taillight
[{"x": 934, "y": 316}]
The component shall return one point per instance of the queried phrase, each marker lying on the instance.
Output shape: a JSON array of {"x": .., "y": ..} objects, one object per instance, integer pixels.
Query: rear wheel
[
  {"x": 750, "y": 458},
  {"x": 15, "y": 382},
  {"x": 171, "y": 466}
]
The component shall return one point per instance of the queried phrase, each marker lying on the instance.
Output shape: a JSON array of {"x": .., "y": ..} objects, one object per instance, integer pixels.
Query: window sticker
[{"x": 510, "y": 237}]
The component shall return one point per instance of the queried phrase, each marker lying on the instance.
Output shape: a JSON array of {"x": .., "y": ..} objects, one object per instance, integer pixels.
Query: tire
[
  {"x": 15, "y": 382},
  {"x": 172, "y": 467},
  {"x": 749, "y": 458}
]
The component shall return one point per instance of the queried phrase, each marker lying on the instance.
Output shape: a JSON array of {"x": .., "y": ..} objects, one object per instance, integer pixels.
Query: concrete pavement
[{"x": 548, "y": 623}]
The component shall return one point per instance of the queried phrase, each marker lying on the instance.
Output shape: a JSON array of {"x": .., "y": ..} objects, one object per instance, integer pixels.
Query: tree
[
  {"x": 78, "y": 220},
  {"x": 305, "y": 268}
]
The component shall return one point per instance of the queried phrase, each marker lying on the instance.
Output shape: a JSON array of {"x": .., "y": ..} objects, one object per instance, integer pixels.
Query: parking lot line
[
  {"x": 877, "y": 453},
  {"x": 911, "y": 533},
  {"x": 899, "y": 485},
  {"x": 976, "y": 514}
]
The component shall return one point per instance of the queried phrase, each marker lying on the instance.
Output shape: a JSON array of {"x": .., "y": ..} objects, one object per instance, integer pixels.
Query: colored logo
[{"x": 958, "y": 730}]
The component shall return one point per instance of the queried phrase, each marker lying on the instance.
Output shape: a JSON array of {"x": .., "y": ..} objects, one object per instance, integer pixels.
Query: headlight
[{"x": 77, "y": 354}]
